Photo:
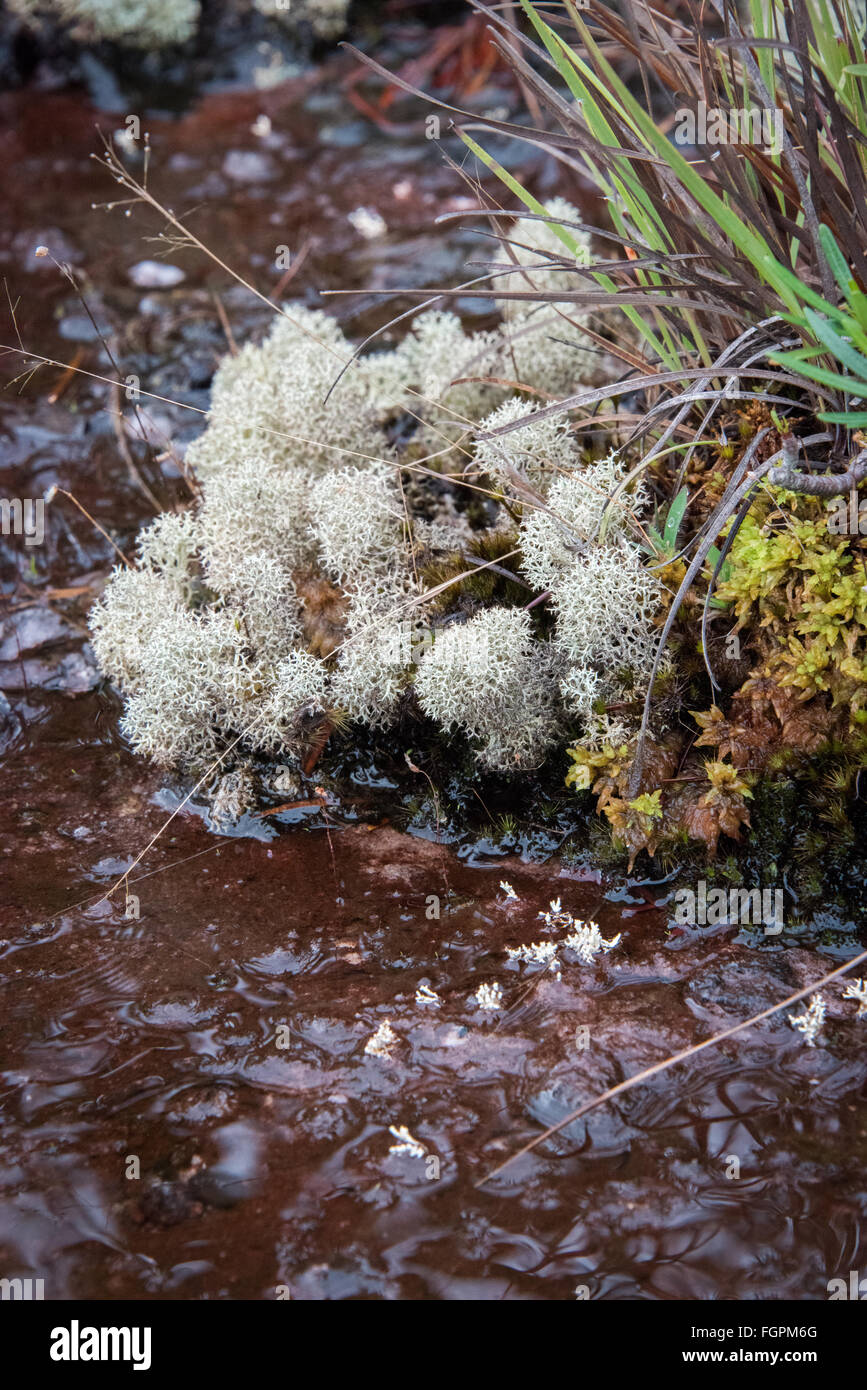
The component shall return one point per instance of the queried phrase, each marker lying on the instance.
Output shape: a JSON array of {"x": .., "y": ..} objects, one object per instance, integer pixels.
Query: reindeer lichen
[
  {"x": 538, "y": 452},
  {"x": 544, "y": 347},
  {"x": 490, "y": 678},
  {"x": 308, "y": 505},
  {"x": 136, "y": 23},
  {"x": 154, "y": 24}
]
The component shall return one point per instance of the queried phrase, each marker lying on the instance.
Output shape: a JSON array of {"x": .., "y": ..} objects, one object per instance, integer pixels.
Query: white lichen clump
[
  {"x": 169, "y": 547},
  {"x": 298, "y": 690},
  {"x": 604, "y": 596},
  {"x": 371, "y": 668},
  {"x": 195, "y": 682},
  {"x": 136, "y": 23},
  {"x": 552, "y": 538},
  {"x": 586, "y": 940},
  {"x": 605, "y": 609},
  {"x": 273, "y": 401},
  {"x": 325, "y": 18},
  {"x": 380, "y": 1043},
  {"x": 857, "y": 990},
  {"x": 489, "y": 998},
  {"x": 537, "y": 451},
  {"x": 545, "y": 253},
  {"x": 311, "y": 503},
  {"x": 538, "y": 953},
  {"x": 160, "y": 23},
  {"x": 810, "y": 1022},
  {"x": 489, "y": 677},
  {"x": 407, "y": 1143},
  {"x": 546, "y": 349},
  {"x": 357, "y": 518},
  {"x": 436, "y": 356},
  {"x": 555, "y": 917}
]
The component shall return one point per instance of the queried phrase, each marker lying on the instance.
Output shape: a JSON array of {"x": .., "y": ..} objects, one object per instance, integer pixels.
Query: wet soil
[{"x": 188, "y": 1107}]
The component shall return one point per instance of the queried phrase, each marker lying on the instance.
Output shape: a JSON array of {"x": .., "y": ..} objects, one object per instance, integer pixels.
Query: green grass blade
[
  {"x": 837, "y": 261},
  {"x": 823, "y": 376},
  {"x": 843, "y": 351},
  {"x": 533, "y": 205},
  {"x": 852, "y": 419},
  {"x": 674, "y": 518},
  {"x": 750, "y": 243}
]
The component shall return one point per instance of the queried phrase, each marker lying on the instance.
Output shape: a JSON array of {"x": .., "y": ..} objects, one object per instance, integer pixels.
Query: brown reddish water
[{"x": 188, "y": 1107}]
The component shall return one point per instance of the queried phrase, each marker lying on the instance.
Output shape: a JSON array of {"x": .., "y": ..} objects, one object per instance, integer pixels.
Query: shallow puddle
[{"x": 190, "y": 1109}]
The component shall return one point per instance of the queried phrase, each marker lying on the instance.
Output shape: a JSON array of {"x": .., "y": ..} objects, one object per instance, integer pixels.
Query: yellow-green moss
[{"x": 806, "y": 590}]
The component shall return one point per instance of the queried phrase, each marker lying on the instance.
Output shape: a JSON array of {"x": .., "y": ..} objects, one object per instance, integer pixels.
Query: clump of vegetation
[
  {"x": 138, "y": 24},
  {"x": 155, "y": 24},
  {"x": 740, "y": 274},
  {"x": 493, "y": 656},
  {"x": 803, "y": 591},
  {"x": 668, "y": 602},
  {"x": 305, "y": 499}
]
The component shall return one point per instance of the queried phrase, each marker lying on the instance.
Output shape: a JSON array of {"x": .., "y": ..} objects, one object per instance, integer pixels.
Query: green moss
[{"x": 806, "y": 590}]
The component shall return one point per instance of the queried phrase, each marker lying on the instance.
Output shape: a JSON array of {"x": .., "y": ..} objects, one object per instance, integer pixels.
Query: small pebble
[
  {"x": 155, "y": 275},
  {"x": 368, "y": 223},
  {"x": 248, "y": 166}
]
